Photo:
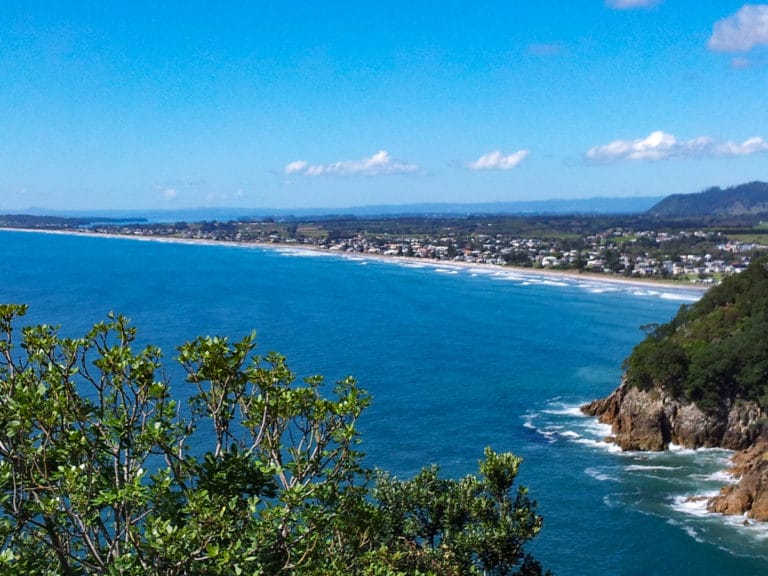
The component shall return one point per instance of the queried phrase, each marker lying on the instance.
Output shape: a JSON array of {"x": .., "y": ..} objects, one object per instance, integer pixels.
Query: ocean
[{"x": 456, "y": 358}]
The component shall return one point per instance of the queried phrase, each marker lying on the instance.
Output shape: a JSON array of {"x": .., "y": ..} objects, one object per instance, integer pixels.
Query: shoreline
[
  {"x": 697, "y": 503},
  {"x": 572, "y": 275}
]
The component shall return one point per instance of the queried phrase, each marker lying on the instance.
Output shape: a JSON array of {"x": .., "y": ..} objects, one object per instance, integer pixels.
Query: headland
[{"x": 700, "y": 381}]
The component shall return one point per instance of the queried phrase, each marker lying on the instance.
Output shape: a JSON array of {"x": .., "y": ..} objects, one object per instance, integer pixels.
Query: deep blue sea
[{"x": 456, "y": 359}]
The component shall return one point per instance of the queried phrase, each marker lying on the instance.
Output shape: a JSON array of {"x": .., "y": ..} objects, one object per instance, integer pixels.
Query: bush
[{"x": 102, "y": 471}]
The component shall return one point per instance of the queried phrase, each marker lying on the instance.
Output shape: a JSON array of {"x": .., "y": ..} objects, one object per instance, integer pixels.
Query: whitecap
[
  {"x": 693, "y": 505},
  {"x": 691, "y": 531},
  {"x": 600, "y": 475},
  {"x": 687, "y": 528},
  {"x": 550, "y": 435},
  {"x": 650, "y": 468},
  {"x": 598, "y": 429},
  {"x": 680, "y": 297},
  {"x": 722, "y": 477},
  {"x": 528, "y": 421},
  {"x": 682, "y": 450},
  {"x": 565, "y": 410},
  {"x": 298, "y": 253},
  {"x": 595, "y": 288},
  {"x": 601, "y": 444}
]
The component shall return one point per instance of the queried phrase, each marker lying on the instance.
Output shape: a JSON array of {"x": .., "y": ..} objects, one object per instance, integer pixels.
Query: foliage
[
  {"x": 474, "y": 522},
  {"x": 714, "y": 351},
  {"x": 103, "y": 472}
]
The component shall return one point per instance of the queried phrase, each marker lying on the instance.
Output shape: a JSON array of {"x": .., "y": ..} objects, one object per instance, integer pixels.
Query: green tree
[
  {"x": 103, "y": 472},
  {"x": 712, "y": 352},
  {"x": 475, "y": 525}
]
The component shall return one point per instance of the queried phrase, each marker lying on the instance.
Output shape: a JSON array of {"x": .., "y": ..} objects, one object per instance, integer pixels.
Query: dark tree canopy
[
  {"x": 714, "y": 351},
  {"x": 102, "y": 471}
]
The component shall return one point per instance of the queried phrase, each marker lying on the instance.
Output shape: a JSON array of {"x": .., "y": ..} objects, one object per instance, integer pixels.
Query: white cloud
[
  {"x": 741, "y": 31},
  {"x": 496, "y": 161},
  {"x": 630, "y": 4},
  {"x": 296, "y": 167},
  {"x": 170, "y": 193},
  {"x": 661, "y": 145},
  {"x": 378, "y": 164},
  {"x": 750, "y": 146}
]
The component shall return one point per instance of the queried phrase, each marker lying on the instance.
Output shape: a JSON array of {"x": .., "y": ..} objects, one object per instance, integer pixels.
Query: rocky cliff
[
  {"x": 651, "y": 421},
  {"x": 701, "y": 380},
  {"x": 750, "y": 495}
]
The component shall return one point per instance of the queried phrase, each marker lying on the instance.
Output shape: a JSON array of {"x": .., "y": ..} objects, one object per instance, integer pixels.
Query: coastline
[
  {"x": 550, "y": 274},
  {"x": 356, "y": 268}
]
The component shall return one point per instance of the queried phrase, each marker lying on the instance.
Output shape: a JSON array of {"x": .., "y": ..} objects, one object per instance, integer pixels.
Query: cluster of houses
[
  {"x": 599, "y": 254},
  {"x": 696, "y": 256}
]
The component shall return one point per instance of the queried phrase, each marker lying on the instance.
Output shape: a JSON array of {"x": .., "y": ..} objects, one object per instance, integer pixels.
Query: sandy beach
[{"x": 554, "y": 275}]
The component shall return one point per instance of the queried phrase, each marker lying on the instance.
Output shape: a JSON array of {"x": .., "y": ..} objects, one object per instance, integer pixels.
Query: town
[{"x": 603, "y": 245}]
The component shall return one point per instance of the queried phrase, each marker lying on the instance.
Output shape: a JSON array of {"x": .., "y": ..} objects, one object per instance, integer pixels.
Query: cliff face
[
  {"x": 651, "y": 421},
  {"x": 648, "y": 420},
  {"x": 750, "y": 494}
]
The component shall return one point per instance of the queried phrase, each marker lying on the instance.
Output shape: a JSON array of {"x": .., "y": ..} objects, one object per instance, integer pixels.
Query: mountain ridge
[{"x": 749, "y": 199}]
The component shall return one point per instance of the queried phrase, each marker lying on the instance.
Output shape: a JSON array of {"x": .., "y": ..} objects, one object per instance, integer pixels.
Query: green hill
[
  {"x": 714, "y": 351},
  {"x": 744, "y": 200}
]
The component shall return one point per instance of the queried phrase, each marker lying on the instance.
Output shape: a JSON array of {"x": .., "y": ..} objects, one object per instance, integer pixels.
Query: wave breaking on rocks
[{"x": 650, "y": 420}]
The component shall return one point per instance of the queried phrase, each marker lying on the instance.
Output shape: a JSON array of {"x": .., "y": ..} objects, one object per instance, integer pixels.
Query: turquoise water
[{"x": 456, "y": 359}]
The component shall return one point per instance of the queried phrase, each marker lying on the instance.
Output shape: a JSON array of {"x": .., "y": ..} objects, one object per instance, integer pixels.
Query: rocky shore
[{"x": 651, "y": 421}]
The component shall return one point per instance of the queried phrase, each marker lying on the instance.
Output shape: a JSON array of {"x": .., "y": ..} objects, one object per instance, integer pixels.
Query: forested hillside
[
  {"x": 742, "y": 200},
  {"x": 714, "y": 351}
]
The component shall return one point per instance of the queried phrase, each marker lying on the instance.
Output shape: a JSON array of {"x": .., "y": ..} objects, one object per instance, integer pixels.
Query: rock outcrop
[
  {"x": 651, "y": 421},
  {"x": 750, "y": 495}
]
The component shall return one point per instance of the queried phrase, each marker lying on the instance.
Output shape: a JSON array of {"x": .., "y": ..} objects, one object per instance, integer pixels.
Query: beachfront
[{"x": 552, "y": 274}]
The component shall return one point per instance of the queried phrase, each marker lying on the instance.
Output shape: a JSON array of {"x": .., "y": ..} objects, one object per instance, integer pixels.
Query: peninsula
[{"x": 701, "y": 380}]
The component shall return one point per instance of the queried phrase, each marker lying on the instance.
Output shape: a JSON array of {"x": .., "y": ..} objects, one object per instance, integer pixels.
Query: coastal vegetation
[
  {"x": 714, "y": 351},
  {"x": 108, "y": 468}
]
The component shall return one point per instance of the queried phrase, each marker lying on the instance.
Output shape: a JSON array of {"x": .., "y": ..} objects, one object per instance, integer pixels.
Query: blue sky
[{"x": 334, "y": 104}]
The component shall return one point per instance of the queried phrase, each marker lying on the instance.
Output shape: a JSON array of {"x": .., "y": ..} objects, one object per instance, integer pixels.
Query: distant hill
[
  {"x": 744, "y": 200},
  {"x": 590, "y": 206},
  {"x": 58, "y": 222}
]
